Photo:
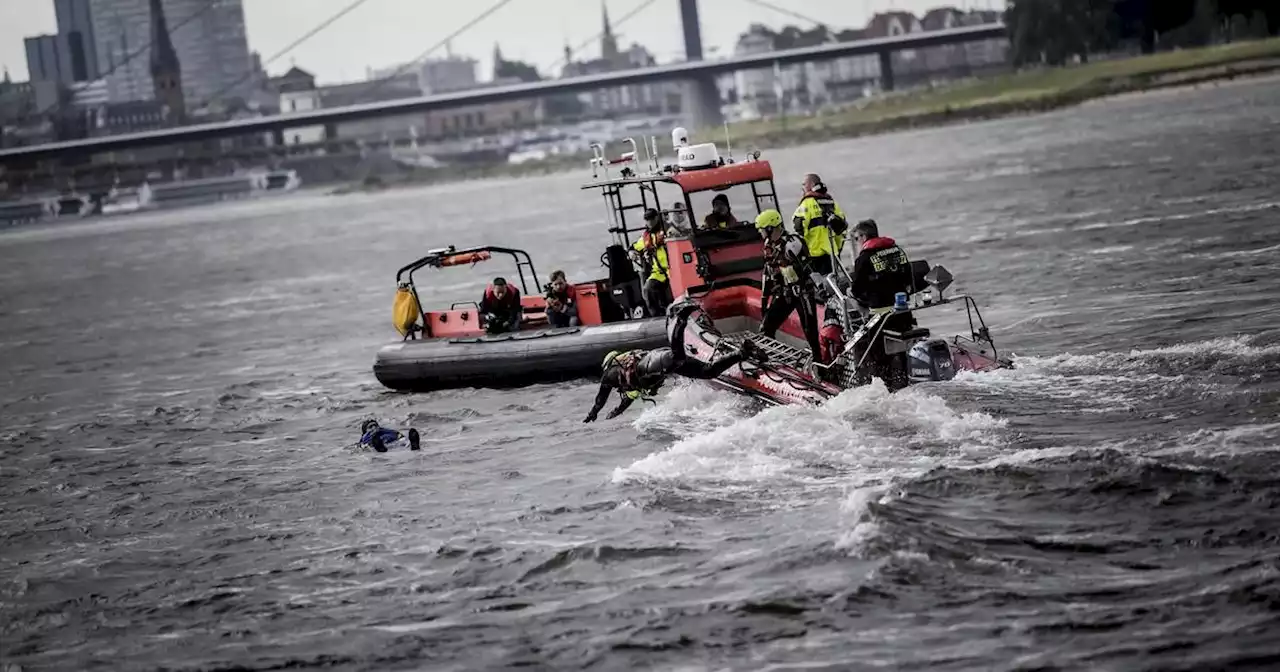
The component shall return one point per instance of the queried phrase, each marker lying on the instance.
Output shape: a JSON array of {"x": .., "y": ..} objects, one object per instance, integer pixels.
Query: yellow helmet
[
  {"x": 608, "y": 359},
  {"x": 768, "y": 219}
]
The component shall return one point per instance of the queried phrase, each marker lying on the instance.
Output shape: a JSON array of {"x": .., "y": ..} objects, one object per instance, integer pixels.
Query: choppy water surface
[{"x": 180, "y": 391}]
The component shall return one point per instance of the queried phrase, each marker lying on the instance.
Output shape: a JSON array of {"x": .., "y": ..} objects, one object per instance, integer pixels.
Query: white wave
[
  {"x": 1240, "y": 347},
  {"x": 1225, "y": 441},
  {"x": 692, "y": 406},
  {"x": 859, "y": 527},
  {"x": 866, "y": 432},
  {"x": 1155, "y": 219}
]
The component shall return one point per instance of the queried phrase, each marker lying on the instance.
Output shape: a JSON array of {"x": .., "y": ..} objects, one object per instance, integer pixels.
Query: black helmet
[
  {"x": 368, "y": 426},
  {"x": 651, "y": 215}
]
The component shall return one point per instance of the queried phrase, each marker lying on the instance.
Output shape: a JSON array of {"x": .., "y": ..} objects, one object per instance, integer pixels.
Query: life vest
[
  {"x": 815, "y": 213},
  {"x": 629, "y": 366},
  {"x": 714, "y": 221},
  {"x": 886, "y": 271},
  {"x": 657, "y": 255},
  {"x": 782, "y": 262},
  {"x": 509, "y": 301}
]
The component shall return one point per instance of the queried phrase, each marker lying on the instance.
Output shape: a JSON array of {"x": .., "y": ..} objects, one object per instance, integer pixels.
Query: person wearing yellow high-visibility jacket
[
  {"x": 650, "y": 251},
  {"x": 820, "y": 221}
]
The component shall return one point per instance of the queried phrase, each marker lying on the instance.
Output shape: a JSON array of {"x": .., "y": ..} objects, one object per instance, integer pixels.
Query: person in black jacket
[{"x": 881, "y": 269}]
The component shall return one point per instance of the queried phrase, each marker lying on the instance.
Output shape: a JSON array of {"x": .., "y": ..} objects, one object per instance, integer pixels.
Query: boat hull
[
  {"x": 511, "y": 360},
  {"x": 721, "y": 320}
]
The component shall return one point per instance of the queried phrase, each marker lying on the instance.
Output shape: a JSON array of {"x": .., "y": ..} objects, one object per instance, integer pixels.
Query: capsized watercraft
[{"x": 449, "y": 348}]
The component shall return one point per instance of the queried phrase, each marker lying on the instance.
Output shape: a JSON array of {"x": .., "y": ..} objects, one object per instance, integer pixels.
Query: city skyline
[{"x": 273, "y": 24}]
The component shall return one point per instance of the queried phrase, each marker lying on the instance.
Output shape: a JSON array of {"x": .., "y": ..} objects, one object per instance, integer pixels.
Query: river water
[{"x": 181, "y": 391}]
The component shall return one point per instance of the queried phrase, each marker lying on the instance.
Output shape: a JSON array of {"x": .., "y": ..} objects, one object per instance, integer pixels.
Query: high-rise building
[
  {"x": 208, "y": 36},
  {"x": 75, "y": 27},
  {"x": 47, "y": 59}
]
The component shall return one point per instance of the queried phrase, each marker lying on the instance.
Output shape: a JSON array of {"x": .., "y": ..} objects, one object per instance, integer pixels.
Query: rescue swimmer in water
[
  {"x": 638, "y": 374},
  {"x": 380, "y": 438}
]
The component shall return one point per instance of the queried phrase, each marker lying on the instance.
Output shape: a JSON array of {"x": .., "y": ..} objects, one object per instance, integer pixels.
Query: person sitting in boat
[
  {"x": 638, "y": 374},
  {"x": 820, "y": 221},
  {"x": 500, "y": 309},
  {"x": 787, "y": 284},
  {"x": 650, "y": 252},
  {"x": 381, "y": 439},
  {"x": 562, "y": 303},
  {"x": 676, "y": 218},
  {"x": 720, "y": 216}
]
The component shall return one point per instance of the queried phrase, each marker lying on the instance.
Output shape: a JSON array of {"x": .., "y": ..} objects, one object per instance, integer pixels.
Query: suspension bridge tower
[{"x": 702, "y": 96}]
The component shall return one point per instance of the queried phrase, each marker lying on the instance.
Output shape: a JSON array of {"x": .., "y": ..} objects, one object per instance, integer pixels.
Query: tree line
[{"x": 1055, "y": 32}]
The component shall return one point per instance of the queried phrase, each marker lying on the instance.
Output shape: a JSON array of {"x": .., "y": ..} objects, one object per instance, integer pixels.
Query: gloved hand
[
  {"x": 591, "y": 417},
  {"x": 613, "y": 414}
]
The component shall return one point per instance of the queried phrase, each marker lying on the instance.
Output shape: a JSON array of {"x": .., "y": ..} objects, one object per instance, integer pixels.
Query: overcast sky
[{"x": 387, "y": 32}]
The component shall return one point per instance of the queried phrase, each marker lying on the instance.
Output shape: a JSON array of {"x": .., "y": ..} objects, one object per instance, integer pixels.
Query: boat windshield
[{"x": 745, "y": 202}]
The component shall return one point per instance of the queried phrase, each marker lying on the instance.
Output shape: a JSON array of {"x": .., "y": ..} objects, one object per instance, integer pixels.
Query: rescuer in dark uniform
[
  {"x": 638, "y": 374},
  {"x": 787, "y": 283}
]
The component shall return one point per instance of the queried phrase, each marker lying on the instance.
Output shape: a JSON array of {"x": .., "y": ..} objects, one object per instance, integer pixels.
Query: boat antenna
[{"x": 728, "y": 144}]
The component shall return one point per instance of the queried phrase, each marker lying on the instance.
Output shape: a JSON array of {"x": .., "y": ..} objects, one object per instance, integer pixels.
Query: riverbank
[{"x": 1025, "y": 92}]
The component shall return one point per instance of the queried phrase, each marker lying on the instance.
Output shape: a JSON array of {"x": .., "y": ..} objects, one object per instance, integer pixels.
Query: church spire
[
  {"x": 166, "y": 72},
  {"x": 497, "y": 61},
  {"x": 608, "y": 41}
]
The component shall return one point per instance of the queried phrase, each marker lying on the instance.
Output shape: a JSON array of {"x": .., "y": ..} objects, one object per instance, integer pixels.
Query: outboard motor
[
  {"x": 929, "y": 360},
  {"x": 624, "y": 282}
]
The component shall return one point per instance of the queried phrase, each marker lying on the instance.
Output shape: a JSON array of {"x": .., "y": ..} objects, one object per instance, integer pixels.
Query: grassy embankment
[
  {"x": 1022, "y": 92},
  {"x": 1005, "y": 95}
]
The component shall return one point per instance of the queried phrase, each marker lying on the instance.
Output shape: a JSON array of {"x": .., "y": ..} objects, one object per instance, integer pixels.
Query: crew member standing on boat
[
  {"x": 880, "y": 272},
  {"x": 650, "y": 251},
  {"x": 881, "y": 269},
  {"x": 500, "y": 308},
  {"x": 820, "y": 221},
  {"x": 787, "y": 283},
  {"x": 638, "y": 374}
]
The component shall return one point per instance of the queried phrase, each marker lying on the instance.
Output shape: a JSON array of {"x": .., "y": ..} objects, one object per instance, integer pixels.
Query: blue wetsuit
[{"x": 388, "y": 436}]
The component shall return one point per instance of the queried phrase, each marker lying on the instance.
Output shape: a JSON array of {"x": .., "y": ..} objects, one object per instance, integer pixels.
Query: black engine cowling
[{"x": 930, "y": 360}]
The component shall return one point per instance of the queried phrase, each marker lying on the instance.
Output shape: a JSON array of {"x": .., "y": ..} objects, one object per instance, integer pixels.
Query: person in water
[
  {"x": 788, "y": 284},
  {"x": 379, "y": 438},
  {"x": 720, "y": 217},
  {"x": 640, "y": 373},
  {"x": 820, "y": 221},
  {"x": 562, "y": 304},
  {"x": 500, "y": 309}
]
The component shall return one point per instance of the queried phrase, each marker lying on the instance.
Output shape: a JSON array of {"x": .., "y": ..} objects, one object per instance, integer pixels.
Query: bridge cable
[
  {"x": 292, "y": 45},
  {"x": 378, "y": 83},
  {"x": 789, "y": 12},
  {"x": 144, "y": 49}
]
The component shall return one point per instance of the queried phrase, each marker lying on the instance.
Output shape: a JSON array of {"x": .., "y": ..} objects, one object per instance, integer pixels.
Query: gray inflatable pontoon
[{"x": 512, "y": 360}]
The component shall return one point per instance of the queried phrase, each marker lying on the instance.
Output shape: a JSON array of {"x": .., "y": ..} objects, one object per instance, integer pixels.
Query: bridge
[{"x": 700, "y": 73}]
